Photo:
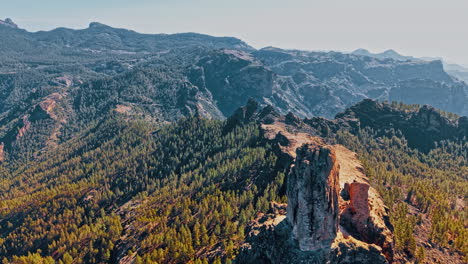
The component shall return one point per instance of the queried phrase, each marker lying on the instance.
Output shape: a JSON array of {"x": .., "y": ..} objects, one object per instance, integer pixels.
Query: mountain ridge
[{"x": 456, "y": 70}]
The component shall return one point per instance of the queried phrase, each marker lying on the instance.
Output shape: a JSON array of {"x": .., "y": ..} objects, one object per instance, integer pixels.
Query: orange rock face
[
  {"x": 2, "y": 152},
  {"x": 26, "y": 125},
  {"x": 333, "y": 213},
  {"x": 363, "y": 214}
]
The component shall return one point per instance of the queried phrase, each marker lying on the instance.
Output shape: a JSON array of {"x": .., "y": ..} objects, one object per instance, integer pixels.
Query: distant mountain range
[
  {"x": 8, "y": 23},
  {"x": 67, "y": 78},
  {"x": 120, "y": 147},
  {"x": 451, "y": 68}
]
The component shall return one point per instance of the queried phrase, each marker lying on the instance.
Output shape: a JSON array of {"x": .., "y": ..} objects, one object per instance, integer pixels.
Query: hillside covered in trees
[
  {"x": 127, "y": 191},
  {"x": 120, "y": 147}
]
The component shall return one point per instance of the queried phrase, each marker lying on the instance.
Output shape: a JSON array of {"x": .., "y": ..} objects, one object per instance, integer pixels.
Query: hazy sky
[{"x": 411, "y": 27}]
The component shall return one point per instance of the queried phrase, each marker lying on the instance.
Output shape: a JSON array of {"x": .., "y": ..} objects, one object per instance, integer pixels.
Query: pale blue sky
[{"x": 412, "y": 27}]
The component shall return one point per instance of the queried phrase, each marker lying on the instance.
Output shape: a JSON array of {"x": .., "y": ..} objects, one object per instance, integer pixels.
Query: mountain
[
  {"x": 54, "y": 83},
  {"x": 99, "y": 37},
  {"x": 326, "y": 83},
  {"x": 128, "y": 190},
  {"x": 120, "y": 147},
  {"x": 457, "y": 71},
  {"x": 327, "y": 198},
  {"x": 8, "y": 23},
  {"x": 388, "y": 54},
  {"x": 98, "y": 42}
]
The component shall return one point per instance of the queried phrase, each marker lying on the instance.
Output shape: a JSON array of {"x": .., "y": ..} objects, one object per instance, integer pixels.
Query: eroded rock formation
[
  {"x": 312, "y": 191},
  {"x": 333, "y": 214},
  {"x": 363, "y": 214}
]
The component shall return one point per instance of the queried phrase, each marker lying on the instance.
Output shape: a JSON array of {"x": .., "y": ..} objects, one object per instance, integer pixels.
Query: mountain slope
[
  {"x": 144, "y": 185},
  {"x": 453, "y": 69},
  {"x": 128, "y": 190},
  {"x": 120, "y": 147},
  {"x": 98, "y": 41},
  {"x": 335, "y": 80}
]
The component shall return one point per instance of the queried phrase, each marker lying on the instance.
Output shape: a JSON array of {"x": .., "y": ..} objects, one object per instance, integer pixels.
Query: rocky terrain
[
  {"x": 175, "y": 193},
  {"x": 421, "y": 127},
  {"x": 451, "y": 68},
  {"x": 8, "y": 23},
  {"x": 91, "y": 72},
  {"x": 332, "y": 215},
  {"x": 120, "y": 147}
]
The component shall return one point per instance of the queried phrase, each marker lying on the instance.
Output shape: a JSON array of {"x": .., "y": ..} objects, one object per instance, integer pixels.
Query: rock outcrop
[
  {"x": 2, "y": 152},
  {"x": 448, "y": 96},
  {"x": 233, "y": 76},
  {"x": 8, "y": 23},
  {"x": 363, "y": 214},
  {"x": 421, "y": 128},
  {"x": 312, "y": 191},
  {"x": 333, "y": 215}
]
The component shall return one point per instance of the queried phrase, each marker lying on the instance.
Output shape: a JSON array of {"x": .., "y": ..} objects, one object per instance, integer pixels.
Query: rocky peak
[
  {"x": 292, "y": 119},
  {"x": 333, "y": 214},
  {"x": 252, "y": 112},
  {"x": 361, "y": 52},
  {"x": 8, "y": 22},
  {"x": 388, "y": 54},
  {"x": 96, "y": 25},
  {"x": 312, "y": 190},
  {"x": 244, "y": 114}
]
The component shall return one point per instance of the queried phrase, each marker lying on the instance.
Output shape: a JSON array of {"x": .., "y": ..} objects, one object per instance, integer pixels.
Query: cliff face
[
  {"x": 324, "y": 83},
  {"x": 363, "y": 214},
  {"x": 313, "y": 197},
  {"x": 450, "y": 97},
  {"x": 333, "y": 215},
  {"x": 232, "y": 77}
]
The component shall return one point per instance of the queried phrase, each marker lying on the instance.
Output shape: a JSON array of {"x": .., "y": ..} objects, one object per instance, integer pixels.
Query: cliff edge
[{"x": 333, "y": 215}]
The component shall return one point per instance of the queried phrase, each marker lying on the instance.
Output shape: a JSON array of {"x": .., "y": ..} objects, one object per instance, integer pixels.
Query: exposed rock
[
  {"x": 448, "y": 96},
  {"x": 228, "y": 71},
  {"x": 8, "y": 23},
  {"x": 233, "y": 76},
  {"x": 322, "y": 84},
  {"x": 362, "y": 211},
  {"x": 2, "y": 152},
  {"x": 312, "y": 191},
  {"x": 288, "y": 141},
  {"x": 245, "y": 114},
  {"x": 26, "y": 124},
  {"x": 421, "y": 128},
  {"x": 270, "y": 242},
  {"x": 333, "y": 214},
  {"x": 19, "y": 129},
  {"x": 63, "y": 81},
  {"x": 252, "y": 112},
  {"x": 293, "y": 120}
]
